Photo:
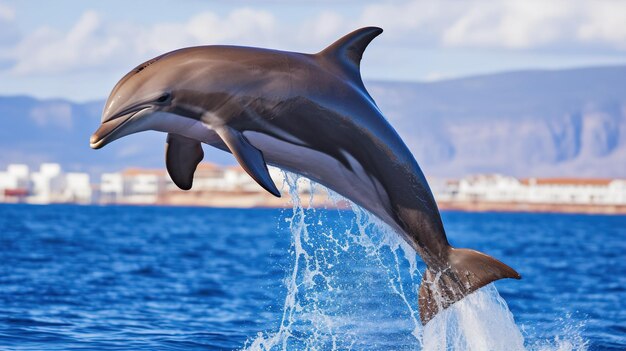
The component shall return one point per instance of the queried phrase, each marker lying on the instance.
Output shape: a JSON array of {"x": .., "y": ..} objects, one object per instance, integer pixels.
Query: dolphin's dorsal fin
[
  {"x": 349, "y": 49},
  {"x": 182, "y": 156},
  {"x": 250, "y": 158}
]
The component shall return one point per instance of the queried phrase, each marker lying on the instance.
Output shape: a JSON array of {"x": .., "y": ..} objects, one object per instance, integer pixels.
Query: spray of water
[{"x": 354, "y": 286}]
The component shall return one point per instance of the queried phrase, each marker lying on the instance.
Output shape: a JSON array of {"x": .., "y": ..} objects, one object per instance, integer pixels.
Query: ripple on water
[{"x": 98, "y": 278}]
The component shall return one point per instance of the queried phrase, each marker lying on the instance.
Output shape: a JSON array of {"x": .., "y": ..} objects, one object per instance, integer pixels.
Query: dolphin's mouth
[{"x": 108, "y": 130}]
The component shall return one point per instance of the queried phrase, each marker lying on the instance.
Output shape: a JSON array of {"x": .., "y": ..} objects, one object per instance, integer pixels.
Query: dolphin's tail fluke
[{"x": 468, "y": 271}]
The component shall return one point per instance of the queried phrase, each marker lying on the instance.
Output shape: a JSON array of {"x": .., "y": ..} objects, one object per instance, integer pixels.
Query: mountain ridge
[{"x": 523, "y": 123}]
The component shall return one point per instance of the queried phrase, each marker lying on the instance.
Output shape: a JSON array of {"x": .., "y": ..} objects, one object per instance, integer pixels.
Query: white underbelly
[
  {"x": 188, "y": 127},
  {"x": 356, "y": 184}
]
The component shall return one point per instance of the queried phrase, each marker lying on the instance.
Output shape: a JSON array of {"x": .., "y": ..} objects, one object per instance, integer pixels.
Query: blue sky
[{"x": 78, "y": 49}]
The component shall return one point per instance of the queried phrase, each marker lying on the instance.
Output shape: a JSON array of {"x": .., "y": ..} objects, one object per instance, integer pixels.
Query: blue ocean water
[{"x": 160, "y": 278}]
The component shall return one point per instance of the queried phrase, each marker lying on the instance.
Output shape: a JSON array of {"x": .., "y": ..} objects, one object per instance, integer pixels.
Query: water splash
[
  {"x": 569, "y": 337},
  {"x": 328, "y": 305},
  {"x": 480, "y": 321}
]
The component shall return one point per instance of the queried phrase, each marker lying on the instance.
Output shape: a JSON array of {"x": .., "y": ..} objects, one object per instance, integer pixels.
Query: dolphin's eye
[{"x": 163, "y": 98}]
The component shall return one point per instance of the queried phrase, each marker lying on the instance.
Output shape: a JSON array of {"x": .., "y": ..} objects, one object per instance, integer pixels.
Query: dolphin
[{"x": 306, "y": 113}]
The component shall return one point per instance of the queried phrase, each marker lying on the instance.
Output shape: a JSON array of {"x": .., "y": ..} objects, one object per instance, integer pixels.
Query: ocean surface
[{"x": 161, "y": 278}]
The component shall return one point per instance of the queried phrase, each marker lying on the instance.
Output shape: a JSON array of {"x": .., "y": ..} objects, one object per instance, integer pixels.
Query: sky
[{"x": 77, "y": 50}]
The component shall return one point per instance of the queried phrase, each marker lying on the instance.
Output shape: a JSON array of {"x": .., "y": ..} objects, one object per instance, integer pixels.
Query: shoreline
[
  {"x": 530, "y": 207},
  {"x": 326, "y": 203}
]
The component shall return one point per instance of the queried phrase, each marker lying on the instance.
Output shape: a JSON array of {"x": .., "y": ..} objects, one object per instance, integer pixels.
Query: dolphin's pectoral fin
[
  {"x": 182, "y": 156},
  {"x": 250, "y": 158},
  {"x": 467, "y": 271}
]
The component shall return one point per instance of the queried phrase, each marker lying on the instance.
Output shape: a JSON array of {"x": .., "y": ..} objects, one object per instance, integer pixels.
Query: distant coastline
[
  {"x": 237, "y": 202},
  {"x": 500, "y": 193},
  {"x": 230, "y": 187},
  {"x": 478, "y": 206}
]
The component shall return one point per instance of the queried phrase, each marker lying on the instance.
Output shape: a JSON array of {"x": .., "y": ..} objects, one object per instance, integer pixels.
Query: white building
[
  {"x": 149, "y": 186},
  {"x": 237, "y": 179},
  {"x": 499, "y": 188},
  {"x": 142, "y": 186},
  {"x": 211, "y": 177},
  {"x": 21, "y": 175},
  {"x": 111, "y": 187},
  {"x": 208, "y": 177},
  {"x": 484, "y": 187},
  {"x": 14, "y": 183},
  {"x": 617, "y": 191},
  {"x": 48, "y": 185},
  {"x": 576, "y": 191},
  {"x": 77, "y": 188}
]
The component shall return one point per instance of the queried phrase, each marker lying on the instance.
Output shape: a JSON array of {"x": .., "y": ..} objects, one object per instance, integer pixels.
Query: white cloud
[
  {"x": 509, "y": 24},
  {"x": 605, "y": 21},
  {"x": 323, "y": 29},
  {"x": 7, "y": 13},
  {"x": 414, "y": 16},
  {"x": 8, "y": 29},
  {"x": 48, "y": 50},
  {"x": 94, "y": 42},
  {"x": 532, "y": 24},
  {"x": 244, "y": 25}
]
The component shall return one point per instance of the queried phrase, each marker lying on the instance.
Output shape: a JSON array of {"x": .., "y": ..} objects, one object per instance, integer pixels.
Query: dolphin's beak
[{"x": 110, "y": 130}]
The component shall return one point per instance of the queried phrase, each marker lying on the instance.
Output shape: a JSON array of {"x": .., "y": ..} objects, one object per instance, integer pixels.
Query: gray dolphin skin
[{"x": 306, "y": 113}]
